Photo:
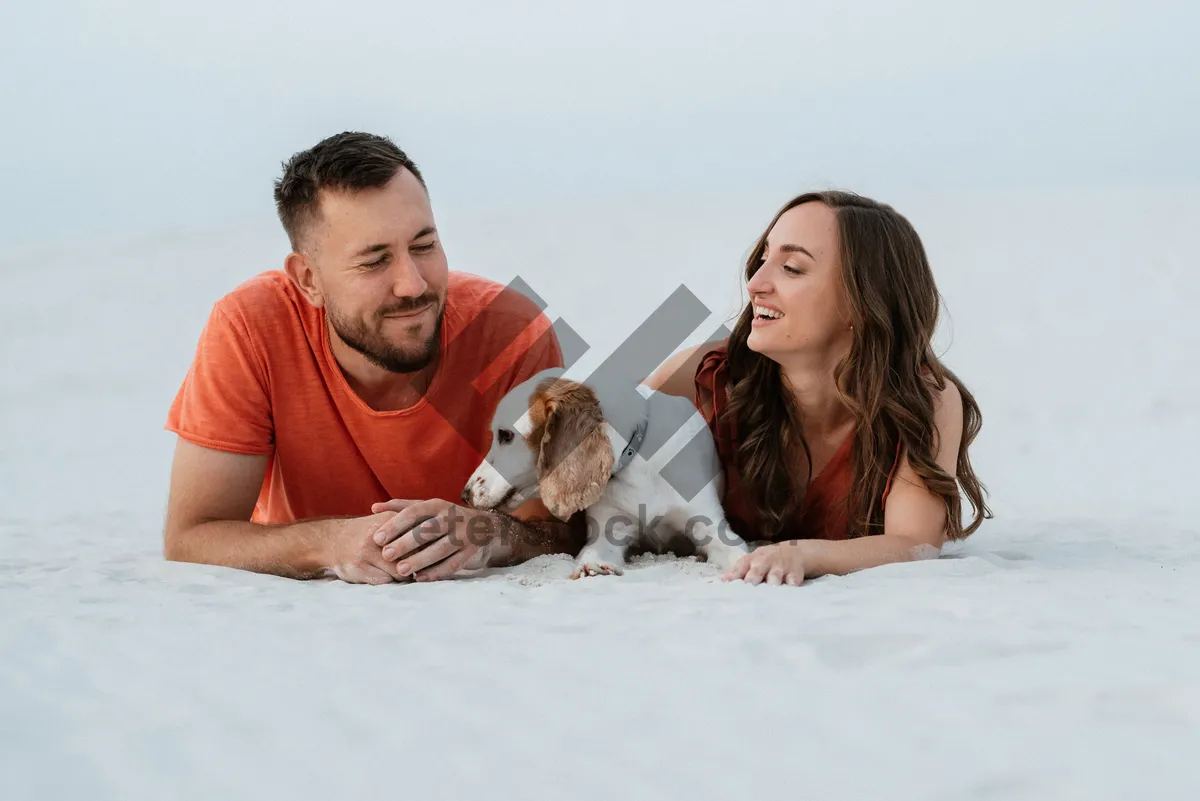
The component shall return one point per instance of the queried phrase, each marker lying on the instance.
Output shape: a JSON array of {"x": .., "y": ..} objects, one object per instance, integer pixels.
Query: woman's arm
[
  {"x": 677, "y": 375},
  {"x": 914, "y": 520}
]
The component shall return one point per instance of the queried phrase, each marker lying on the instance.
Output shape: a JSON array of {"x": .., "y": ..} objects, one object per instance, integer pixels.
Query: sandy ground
[{"x": 1056, "y": 654}]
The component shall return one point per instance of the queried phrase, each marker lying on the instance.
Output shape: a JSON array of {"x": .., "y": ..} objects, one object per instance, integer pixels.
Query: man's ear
[{"x": 299, "y": 268}]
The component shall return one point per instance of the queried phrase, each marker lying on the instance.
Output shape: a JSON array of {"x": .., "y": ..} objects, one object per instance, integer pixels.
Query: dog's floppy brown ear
[{"x": 575, "y": 457}]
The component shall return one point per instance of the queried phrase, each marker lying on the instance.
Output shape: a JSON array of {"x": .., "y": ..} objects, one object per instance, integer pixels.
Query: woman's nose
[{"x": 760, "y": 282}]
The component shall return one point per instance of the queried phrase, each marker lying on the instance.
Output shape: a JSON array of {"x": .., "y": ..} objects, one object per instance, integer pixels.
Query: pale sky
[{"x": 142, "y": 115}]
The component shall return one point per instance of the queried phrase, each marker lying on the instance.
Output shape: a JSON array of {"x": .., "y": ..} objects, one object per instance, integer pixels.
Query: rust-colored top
[{"x": 823, "y": 514}]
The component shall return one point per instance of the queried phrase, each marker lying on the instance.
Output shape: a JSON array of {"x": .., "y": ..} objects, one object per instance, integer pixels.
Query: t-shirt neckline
[{"x": 362, "y": 405}]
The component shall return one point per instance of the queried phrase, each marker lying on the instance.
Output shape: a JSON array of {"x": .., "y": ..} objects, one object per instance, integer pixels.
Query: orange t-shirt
[{"x": 264, "y": 381}]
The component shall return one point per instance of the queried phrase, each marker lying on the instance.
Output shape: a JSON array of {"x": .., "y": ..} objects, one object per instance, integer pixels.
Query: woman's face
[{"x": 797, "y": 294}]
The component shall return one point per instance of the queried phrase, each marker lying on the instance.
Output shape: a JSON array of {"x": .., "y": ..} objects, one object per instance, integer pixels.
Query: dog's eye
[{"x": 505, "y": 436}]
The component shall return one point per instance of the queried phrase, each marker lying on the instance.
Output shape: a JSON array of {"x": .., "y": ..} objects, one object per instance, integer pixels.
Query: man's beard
[{"x": 377, "y": 349}]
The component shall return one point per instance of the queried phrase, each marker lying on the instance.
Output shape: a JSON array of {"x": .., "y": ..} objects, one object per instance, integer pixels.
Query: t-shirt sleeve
[
  {"x": 711, "y": 374},
  {"x": 540, "y": 350},
  {"x": 224, "y": 402},
  {"x": 514, "y": 342}
]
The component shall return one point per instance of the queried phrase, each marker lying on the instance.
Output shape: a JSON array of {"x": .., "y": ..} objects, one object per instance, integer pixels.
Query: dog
[{"x": 601, "y": 449}]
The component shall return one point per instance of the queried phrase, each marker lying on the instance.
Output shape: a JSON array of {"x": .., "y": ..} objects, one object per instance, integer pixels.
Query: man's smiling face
[{"x": 380, "y": 271}]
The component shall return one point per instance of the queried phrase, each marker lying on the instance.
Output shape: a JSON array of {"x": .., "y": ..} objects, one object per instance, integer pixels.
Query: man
[{"x": 335, "y": 409}]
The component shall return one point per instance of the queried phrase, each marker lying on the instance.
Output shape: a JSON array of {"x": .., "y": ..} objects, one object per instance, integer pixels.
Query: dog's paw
[
  {"x": 726, "y": 557},
  {"x": 596, "y": 569}
]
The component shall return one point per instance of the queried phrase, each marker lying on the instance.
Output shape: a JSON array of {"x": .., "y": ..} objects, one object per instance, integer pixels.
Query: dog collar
[{"x": 635, "y": 442}]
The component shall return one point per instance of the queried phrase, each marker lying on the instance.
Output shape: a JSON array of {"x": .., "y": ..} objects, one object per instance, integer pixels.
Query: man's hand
[
  {"x": 355, "y": 557},
  {"x": 434, "y": 539}
]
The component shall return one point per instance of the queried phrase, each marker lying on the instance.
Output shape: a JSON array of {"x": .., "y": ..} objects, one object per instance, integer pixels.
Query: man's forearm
[{"x": 293, "y": 550}]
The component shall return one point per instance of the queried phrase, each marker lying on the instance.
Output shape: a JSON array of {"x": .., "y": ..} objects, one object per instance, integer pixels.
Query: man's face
[{"x": 380, "y": 272}]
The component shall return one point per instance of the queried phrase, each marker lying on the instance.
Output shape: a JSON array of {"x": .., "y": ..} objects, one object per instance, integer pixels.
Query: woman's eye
[
  {"x": 787, "y": 268},
  {"x": 425, "y": 248},
  {"x": 505, "y": 436}
]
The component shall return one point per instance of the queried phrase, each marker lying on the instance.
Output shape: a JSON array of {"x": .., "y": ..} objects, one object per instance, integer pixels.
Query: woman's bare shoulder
[
  {"x": 948, "y": 425},
  {"x": 677, "y": 375}
]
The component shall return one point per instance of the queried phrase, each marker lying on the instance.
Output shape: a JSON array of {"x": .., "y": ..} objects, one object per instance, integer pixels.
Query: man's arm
[
  {"x": 435, "y": 539},
  {"x": 212, "y": 495}
]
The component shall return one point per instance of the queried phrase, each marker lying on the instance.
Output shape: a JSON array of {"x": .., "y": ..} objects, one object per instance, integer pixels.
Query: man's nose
[{"x": 407, "y": 281}]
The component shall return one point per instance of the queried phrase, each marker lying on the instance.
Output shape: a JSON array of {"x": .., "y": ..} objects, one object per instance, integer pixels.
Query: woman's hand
[{"x": 778, "y": 563}]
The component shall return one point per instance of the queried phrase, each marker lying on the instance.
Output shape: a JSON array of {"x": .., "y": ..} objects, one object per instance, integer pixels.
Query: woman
[{"x": 833, "y": 417}]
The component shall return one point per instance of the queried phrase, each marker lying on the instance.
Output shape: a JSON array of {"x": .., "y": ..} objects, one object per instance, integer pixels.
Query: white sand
[{"x": 1056, "y": 654}]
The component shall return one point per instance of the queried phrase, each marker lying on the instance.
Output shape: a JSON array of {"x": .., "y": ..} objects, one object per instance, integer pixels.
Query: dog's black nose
[{"x": 466, "y": 494}]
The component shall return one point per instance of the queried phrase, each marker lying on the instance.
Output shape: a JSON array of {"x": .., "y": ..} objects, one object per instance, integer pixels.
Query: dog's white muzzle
[{"x": 488, "y": 489}]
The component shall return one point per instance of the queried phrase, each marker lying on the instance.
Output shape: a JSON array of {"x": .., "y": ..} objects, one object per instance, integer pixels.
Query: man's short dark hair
[{"x": 349, "y": 160}]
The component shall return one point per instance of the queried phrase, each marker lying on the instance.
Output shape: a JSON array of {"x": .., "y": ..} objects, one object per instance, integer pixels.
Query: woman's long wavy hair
[{"x": 885, "y": 380}]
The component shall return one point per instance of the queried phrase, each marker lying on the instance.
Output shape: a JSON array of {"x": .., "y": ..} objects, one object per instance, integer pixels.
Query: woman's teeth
[{"x": 763, "y": 311}]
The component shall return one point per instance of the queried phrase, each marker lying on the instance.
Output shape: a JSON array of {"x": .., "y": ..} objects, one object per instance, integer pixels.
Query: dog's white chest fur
[{"x": 642, "y": 503}]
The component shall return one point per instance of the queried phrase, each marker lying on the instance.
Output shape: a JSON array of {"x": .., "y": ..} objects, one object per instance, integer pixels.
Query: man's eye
[
  {"x": 382, "y": 260},
  {"x": 428, "y": 248},
  {"x": 505, "y": 436}
]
